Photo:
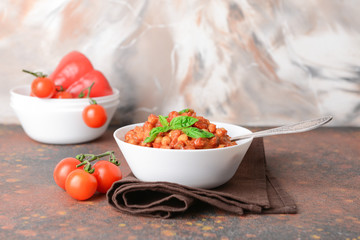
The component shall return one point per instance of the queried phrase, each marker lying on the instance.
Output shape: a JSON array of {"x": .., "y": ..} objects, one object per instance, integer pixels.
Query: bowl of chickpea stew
[{"x": 182, "y": 148}]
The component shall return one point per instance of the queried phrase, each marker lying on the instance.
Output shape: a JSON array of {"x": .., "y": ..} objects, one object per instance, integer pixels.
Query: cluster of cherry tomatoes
[
  {"x": 81, "y": 180},
  {"x": 75, "y": 77}
]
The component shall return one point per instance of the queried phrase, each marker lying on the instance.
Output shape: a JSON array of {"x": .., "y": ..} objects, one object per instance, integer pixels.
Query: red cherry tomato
[
  {"x": 43, "y": 87},
  {"x": 94, "y": 115},
  {"x": 63, "y": 169},
  {"x": 71, "y": 68},
  {"x": 106, "y": 173},
  {"x": 101, "y": 85},
  {"x": 63, "y": 94},
  {"x": 80, "y": 184}
]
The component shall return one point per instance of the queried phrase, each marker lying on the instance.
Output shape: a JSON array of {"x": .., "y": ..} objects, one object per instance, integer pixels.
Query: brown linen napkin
[{"x": 251, "y": 190}]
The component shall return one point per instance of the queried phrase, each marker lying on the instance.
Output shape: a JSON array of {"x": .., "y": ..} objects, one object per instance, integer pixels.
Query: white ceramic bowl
[
  {"x": 58, "y": 121},
  {"x": 202, "y": 168}
]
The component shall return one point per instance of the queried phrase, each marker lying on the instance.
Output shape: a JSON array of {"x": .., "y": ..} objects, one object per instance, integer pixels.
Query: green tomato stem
[
  {"x": 88, "y": 94},
  {"x": 88, "y": 168},
  {"x": 87, "y": 158},
  {"x": 36, "y": 74},
  {"x": 92, "y": 101},
  {"x": 81, "y": 94},
  {"x": 113, "y": 160}
]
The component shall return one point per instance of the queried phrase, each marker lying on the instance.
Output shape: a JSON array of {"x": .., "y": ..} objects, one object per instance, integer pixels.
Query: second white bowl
[{"x": 58, "y": 121}]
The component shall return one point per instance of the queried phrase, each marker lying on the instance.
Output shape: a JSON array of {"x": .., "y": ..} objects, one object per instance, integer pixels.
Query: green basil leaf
[
  {"x": 150, "y": 138},
  {"x": 194, "y": 132},
  {"x": 163, "y": 121},
  {"x": 158, "y": 130},
  {"x": 184, "y": 111},
  {"x": 182, "y": 122},
  {"x": 154, "y": 132}
]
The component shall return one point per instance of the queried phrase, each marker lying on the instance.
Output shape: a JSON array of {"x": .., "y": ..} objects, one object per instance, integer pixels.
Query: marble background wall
[{"x": 258, "y": 62}]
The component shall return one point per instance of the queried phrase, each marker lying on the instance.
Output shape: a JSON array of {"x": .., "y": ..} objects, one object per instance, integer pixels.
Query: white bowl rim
[
  {"x": 239, "y": 142},
  {"x": 14, "y": 93}
]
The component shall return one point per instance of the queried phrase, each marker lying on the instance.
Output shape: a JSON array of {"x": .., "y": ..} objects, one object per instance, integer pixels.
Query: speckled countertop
[{"x": 319, "y": 169}]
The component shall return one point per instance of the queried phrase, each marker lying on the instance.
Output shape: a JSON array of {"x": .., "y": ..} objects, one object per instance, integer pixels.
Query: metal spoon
[{"x": 292, "y": 128}]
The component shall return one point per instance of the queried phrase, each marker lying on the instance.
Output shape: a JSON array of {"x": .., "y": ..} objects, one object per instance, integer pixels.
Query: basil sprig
[{"x": 183, "y": 123}]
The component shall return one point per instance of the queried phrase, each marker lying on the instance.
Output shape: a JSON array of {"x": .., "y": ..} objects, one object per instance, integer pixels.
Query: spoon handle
[{"x": 292, "y": 128}]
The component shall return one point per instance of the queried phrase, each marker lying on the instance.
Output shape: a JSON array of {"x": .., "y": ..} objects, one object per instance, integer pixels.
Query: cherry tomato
[
  {"x": 43, "y": 87},
  {"x": 70, "y": 69},
  {"x": 94, "y": 115},
  {"x": 106, "y": 173},
  {"x": 80, "y": 184},
  {"x": 63, "y": 169},
  {"x": 63, "y": 94}
]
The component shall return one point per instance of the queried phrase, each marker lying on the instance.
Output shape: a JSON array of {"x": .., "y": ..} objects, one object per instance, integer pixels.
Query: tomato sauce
[{"x": 176, "y": 138}]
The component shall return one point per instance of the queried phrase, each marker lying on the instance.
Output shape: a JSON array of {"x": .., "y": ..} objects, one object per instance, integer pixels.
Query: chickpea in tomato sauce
[{"x": 176, "y": 138}]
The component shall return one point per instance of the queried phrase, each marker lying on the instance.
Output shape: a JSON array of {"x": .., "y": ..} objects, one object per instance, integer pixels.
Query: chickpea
[
  {"x": 183, "y": 138},
  {"x": 165, "y": 141},
  {"x": 137, "y": 129},
  {"x": 179, "y": 145},
  {"x": 174, "y": 134},
  {"x": 156, "y": 145},
  {"x": 158, "y": 139},
  {"x": 148, "y": 126},
  {"x": 202, "y": 124},
  {"x": 129, "y": 136},
  {"x": 212, "y": 128},
  {"x": 199, "y": 143},
  {"x": 221, "y": 132},
  {"x": 152, "y": 119},
  {"x": 140, "y": 135},
  {"x": 132, "y": 141},
  {"x": 190, "y": 144},
  {"x": 214, "y": 142}
]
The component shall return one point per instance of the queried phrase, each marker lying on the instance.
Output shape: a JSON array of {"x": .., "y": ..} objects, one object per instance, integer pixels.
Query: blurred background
[{"x": 258, "y": 62}]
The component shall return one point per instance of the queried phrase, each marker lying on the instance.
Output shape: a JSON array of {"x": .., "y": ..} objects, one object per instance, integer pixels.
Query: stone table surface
[{"x": 319, "y": 169}]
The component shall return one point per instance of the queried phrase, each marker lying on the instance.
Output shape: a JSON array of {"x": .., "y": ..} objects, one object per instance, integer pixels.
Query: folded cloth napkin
[{"x": 251, "y": 190}]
